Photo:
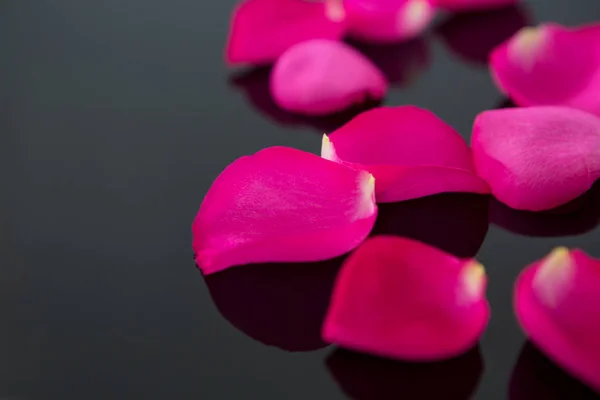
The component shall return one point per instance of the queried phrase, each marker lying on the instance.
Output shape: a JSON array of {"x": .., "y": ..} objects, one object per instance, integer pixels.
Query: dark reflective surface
[
  {"x": 363, "y": 377},
  {"x": 115, "y": 117},
  {"x": 536, "y": 377}
]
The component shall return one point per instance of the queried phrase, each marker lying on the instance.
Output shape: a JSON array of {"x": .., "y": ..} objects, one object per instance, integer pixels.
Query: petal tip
[
  {"x": 553, "y": 276},
  {"x": 474, "y": 279},
  {"x": 415, "y": 16},
  {"x": 367, "y": 206},
  {"x": 334, "y": 10},
  {"x": 527, "y": 44}
]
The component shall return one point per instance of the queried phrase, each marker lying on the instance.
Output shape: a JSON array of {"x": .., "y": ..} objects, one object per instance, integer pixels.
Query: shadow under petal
[
  {"x": 365, "y": 377},
  {"x": 506, "y": 103},
  {"x": 255, "y": 86},
  {"x": 473, "y": 35},
  {"x": 402, "y": 63},
  {"x": 577, "y": 217},
  {"x": 535, "y": 377},
  {"x": 453, "y": 222},
  {"x": 278, "y": 304}
]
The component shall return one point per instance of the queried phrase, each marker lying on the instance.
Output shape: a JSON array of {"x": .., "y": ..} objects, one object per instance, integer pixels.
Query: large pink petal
[
  {"x": 364, "y": 377},
  {"x": 557, "y": 302},
  {"x": 537, "y": 158},
  {"x": 321, "y": 77},
  {"x": 282, "y": 205},
  {"x": 400, "y": 298},
  {"x": 388, "y": 20},
  {"x": 467, "y": 5},
  {"x": 550, "y": 65},
  {"x": 411, "y": 152},
  {"x": 261, "y": 30},
  {"x": 474, "y": 35},
  {"x": 269, "y": 302}
]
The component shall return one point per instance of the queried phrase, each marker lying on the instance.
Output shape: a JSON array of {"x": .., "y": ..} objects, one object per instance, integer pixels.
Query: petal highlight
[
  {"x": 403, "y": 299},
  {"x": 536, "y": 67},
  {"x": 556, "y": 301},
  {"x": 262, "y": 30},
  {"x": 320, "y": 77},
  {"x": 537, "y": 158},
  {"x": 411, "y": 152},
  {"x": 282, "y": 205},
  {"x": 388, "y": 20}
]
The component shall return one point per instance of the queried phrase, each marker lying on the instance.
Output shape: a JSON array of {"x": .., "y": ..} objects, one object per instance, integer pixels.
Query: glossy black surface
[{"x": 115, "y": 117}]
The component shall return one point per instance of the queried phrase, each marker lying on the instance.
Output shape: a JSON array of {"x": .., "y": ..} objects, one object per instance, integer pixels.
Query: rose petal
[
  {"x": 269, "y": 302},
  {"x": 466, "y": 5},
  {"x": 402, "y": 63},
  {"x": 474, "y": 35},
  {"x": 400, "y": 298},
  {"x": 363, "y": 377},
  {"x": 255, "y": 85},
  {"x": 321, "y": 77},
  {"x": 388, "y": 20},
  {"x": 261, "y": 30},
  {"x": 537, "y": 158},
  {"x": 411, "y": 152},
  {"x": 463, "y": 214},
  {"x": 282, "y": 205},
  {"x": 535, "y": 67},
  {"x": 581, "y": 216},
  {"x": 536, "y": 377},
  {"x": 556, "y": 301}
]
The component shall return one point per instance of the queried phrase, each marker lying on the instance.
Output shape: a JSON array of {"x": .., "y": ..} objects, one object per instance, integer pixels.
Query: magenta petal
[
  {"x": 388, "y": 20},
  {"x": 557, "y": 302},
  {"x": 403, "y": 299},
  {"x": 411, "y": 152},
  {"x": 536, "y": 67},
  {"x": 468, "y": 5},
  {"x": 282, "y": 205},
  {"x": 321, "y": 77},
  {"x": 537, "y": 158},
  {"x": 261, "y": 30}
]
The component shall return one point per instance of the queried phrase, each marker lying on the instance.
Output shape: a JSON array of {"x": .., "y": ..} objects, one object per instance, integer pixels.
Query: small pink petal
[
  {"x": 261, "y": 30},
  {"x": 536, "y": 67},
  {"x": 282, "y": 205},
  {"x": 468, "y": 5},
  {"x": 388, "y": 20},
  {"x": 403, "y": 299},
  {"x": 321, "y": 77},
  {"x": 537, "y": 158},
  {"x": 557, "y": 302},
  {"x": 474, "y": 35},
  {"x": 411, "y": 152}
]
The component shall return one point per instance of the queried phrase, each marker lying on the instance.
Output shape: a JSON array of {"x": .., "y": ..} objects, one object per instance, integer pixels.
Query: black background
[{"x": 116, "y": 115}]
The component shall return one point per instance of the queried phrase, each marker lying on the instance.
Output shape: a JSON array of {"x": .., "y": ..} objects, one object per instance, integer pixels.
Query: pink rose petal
[
  {"x": 388, "y": 20},
  {"x": 535, "y": 67},
  {"x": 321, "y": 77},
  {"x": 282, "y": 205},
  {"x": 536, "y": 377},
  {"x": 467, "y": 5},
  {"x": 364, "y": 377},
  {"x": 463, "y": 214},
  {"x": 400, "y": 298},
  {"x": 402, "y": 63},
  {"x": 474, "y": 35},
  {"x": 537, "y": 158},
  {"x": 261, "y": 30},
  {"x": 269, "y": 302},
  {"x": 575, "y": 218},
  {"x": 557, "y": 304},
  {"x": 411, "y": 152},
  {"x": 255, "y": 86}
]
